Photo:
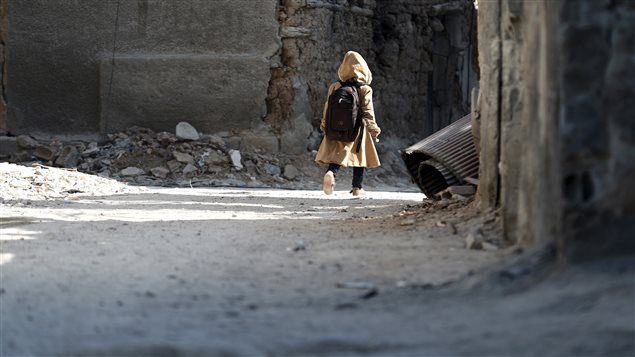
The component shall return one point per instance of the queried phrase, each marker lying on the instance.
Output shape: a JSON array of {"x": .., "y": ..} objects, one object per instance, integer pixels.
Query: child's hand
[{"x": 374, "y": 133}]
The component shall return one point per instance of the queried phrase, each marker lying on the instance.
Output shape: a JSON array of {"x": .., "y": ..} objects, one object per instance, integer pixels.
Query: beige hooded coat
[{"x": 341, "y": 153}]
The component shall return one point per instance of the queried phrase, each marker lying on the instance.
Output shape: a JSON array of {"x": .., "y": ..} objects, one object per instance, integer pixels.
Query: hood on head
[{"x": 354, "y": 66}]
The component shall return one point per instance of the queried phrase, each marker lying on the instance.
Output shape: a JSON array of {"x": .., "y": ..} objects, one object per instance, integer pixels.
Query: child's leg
[
  {"x": 335, "y": 168},
  {"x": 358, "y": 176},
  {"x": 329, "y": 178}
]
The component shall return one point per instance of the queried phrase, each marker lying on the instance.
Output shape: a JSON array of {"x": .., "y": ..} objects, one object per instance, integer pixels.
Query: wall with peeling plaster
[{"x": 421, "y": 54}]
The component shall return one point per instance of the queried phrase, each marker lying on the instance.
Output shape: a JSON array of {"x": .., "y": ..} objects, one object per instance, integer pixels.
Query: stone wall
[
  {"x": 104, "y": 65},
  {"x": 597, "y": 127},
  {"x": 419, "y": 52},
  {"x": 556, "y": 137}
]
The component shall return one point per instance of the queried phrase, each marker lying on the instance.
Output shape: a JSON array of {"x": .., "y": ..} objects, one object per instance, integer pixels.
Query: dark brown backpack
[{"x": 343, "y": 118}]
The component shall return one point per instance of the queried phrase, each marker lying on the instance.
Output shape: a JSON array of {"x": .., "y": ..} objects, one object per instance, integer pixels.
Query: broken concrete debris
[
  {"x": 68, "y": 157},
  {"x": 44, "y": 153},
  {"x": 189, "y": 169},
  {"x": 273, "y": 170},
  {"x": 26, "y": 142},
  {"x": 163, "y": 158},
  {"x": 290, "y": 172},
  {"x": 185, "y": 131},
  {"x": 183, "y": 157},
  {"x": 160, "y": 172},
  {"x": 236, "y": 159},
  {"x": 457, "y": 193},
  {"x": 132, "y": 171}
]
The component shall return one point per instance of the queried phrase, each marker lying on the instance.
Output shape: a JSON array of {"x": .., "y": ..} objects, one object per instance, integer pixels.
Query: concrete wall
[
  {"x": 556, "y": 134},
  {"x": 205, "y": 62}
]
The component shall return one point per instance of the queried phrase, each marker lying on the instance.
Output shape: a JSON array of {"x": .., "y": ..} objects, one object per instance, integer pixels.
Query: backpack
[{"x": 343, "y": 119}]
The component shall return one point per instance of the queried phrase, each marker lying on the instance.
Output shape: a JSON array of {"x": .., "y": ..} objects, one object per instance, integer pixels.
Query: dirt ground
[{"x": 134, "y": 271}]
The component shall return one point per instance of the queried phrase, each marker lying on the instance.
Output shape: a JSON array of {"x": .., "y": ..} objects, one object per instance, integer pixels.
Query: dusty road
[{"x": 237, "y": 272}]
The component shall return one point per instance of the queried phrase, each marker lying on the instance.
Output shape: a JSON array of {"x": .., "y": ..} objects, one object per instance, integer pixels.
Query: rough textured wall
[
  {"x": 560, "y": 117},
  {"x": 206, "y": 62},
  {"x": 486, "y": 118},
  {"x": 597, "y": 125},
  {"x": 419, "y": 52},
  {"x": 4, "y": 32}
]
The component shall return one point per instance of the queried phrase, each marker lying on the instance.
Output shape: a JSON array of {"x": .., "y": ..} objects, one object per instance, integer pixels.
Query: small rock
[
  {"x": 299, "y": 245},
  {"x": 92, "y": 148},
  {"x": 234, "y": 155},
  {"x": 272, "y": 170},
  {"x": 69, "y": 157},
  {"x": 465, "y": 190},
  {"x": 359, "y": 285},
  {"x": 216, "y": 158},
  {"x": 44, "y": 153},
  {"x": 160, "y": 172},
  {"x": 290, "y": 172},
  {"x": 183, "y": 157},
  {"x": 131, "y": 171},
  {"x": 165, "y": 138},
  {"x": 26, "y": 142},
  {"x": 185, "y": 131},
  {"x": 174, "y": 166},
  {"x": 104, "y": 173},
  {"x": 473, "y": 242},
  {"x": 216, "y": 141},
  {"x": 407, "y": 222},
  {"x": 189, "y": 169}
]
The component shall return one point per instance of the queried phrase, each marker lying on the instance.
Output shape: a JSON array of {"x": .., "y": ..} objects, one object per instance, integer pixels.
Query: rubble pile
[
  {"x": 22, "y": 183},
  {"x": 184, "y": 158}
]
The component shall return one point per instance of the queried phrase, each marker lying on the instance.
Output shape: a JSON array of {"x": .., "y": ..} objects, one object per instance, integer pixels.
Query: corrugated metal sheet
[{"x": 444, "y": 158}]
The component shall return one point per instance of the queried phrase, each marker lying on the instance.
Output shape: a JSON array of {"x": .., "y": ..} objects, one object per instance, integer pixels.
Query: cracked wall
[
  {"x": 556, "y": 134},
  {"x": 421, "y": 54}
]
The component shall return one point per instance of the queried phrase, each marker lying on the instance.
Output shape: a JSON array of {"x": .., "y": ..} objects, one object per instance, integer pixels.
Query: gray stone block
[{"x": 212, "y": 93}]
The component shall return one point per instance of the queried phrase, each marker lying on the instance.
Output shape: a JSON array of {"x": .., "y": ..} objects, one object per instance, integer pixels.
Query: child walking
[{"x": 360, "y": 153}]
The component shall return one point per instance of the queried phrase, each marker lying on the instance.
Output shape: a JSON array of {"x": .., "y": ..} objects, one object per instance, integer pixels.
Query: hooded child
[{"x": 337, "y": 154}]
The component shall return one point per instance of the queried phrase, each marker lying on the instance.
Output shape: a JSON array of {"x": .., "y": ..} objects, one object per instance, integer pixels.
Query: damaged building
[
  {"x": 551, "y": 119},
  {"x": 255, "y": 70}
]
